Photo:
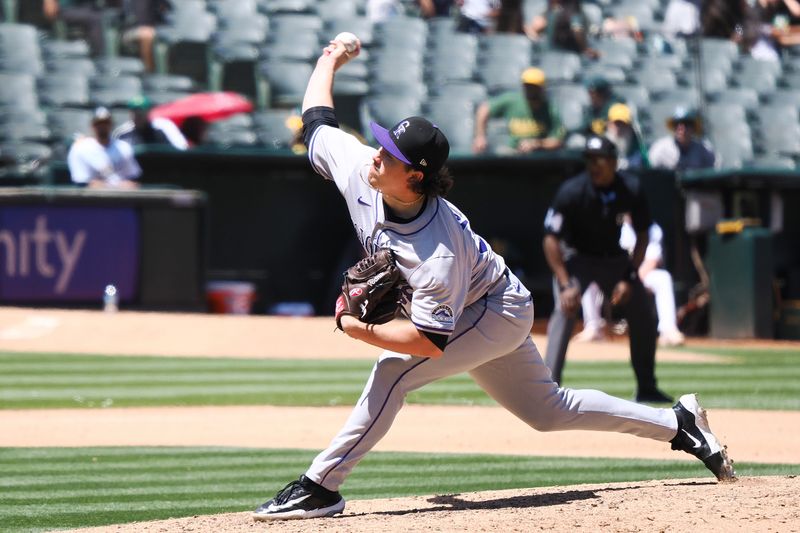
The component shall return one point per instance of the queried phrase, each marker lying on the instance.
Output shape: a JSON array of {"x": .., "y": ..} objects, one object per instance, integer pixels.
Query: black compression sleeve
[
  {"x": 315, "y": 117},
  {"x": 437, "y": 338}
]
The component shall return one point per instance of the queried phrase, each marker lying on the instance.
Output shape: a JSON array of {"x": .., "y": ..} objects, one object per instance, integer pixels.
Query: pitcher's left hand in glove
[{"x": 370, "y": 290}]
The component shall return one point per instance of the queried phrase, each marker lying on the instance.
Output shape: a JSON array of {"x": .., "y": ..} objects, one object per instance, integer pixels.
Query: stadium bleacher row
[{"x": 265, "y": 49}]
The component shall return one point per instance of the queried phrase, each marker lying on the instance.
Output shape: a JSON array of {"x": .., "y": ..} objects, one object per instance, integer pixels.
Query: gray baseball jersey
[
  {"x": 461, "y": 288},
  {"x": 443, "y": 279}
]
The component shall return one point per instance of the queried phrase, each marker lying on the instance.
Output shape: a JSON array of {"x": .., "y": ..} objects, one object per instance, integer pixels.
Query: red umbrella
[{"x": 209, "y": 106}]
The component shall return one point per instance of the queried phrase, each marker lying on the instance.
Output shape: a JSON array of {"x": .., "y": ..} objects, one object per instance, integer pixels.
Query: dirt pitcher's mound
[{"x": 691, "y": 505}]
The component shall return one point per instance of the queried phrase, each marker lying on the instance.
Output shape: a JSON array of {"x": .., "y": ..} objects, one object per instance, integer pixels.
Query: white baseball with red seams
[{"x": 349, "y": 40}]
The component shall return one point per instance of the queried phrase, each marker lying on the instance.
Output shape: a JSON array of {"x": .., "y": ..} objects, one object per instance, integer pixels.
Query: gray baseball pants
[{"x": 492, "y": 342}]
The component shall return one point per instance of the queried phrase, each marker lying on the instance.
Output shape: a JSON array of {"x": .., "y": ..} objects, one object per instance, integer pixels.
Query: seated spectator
[
  {"x": 477, "y": 16},
  {"x": 737, "y": 21},
  {"x": 195, "y": 129},
  {"x": 85, "y": 13},
  {"x": 563, "y": 26},
  {"x": 533, "y": 121},
  {"x": 622, "y": 27},
  {"x": 140, "y": 129},
  {"x": 140, "y": 18},
  {"x": 630, "y": 146},
  {"x": 681, "y": 18},
  {"x": 381, "y": 10},
  {"x": 601, "y": 98},
  {"x": 102, "y": 162},
  {"x": 653, "y": 276},
  {"x": 510, "y": 18},
  {"x": 780, "y": 21},
  {"x": 684, "y": 149},
  {"x": 435, "y": 8}
]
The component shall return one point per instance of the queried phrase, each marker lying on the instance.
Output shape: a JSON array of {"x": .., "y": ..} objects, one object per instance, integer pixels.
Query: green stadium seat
[
  {"x": 272, "y": 130},
  {"x": 359, "y": 25},
  {"x": 281, "y": 83},
  {"x": 232, "y": 67},
  {"x": 167, "y": 82},
  {"x": 64, "y": 89},
  {"x": 457, "y": 122},
  {"x": 470, "y": 90},
  {"x": 18, "y": 91},
  {"x": 387, "y": 110}
]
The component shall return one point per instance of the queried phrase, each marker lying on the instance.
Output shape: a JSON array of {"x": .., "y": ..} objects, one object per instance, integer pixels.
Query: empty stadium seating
[{"x": 265, "y": 49}]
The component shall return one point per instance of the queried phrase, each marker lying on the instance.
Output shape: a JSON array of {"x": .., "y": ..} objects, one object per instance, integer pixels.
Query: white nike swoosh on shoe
[
  {"x": 272, "y": 507},
  {"x": 697, "y": 443}
]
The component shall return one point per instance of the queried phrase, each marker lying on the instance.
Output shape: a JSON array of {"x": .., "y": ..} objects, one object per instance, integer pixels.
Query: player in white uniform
[{"x": 466, "y": 311}]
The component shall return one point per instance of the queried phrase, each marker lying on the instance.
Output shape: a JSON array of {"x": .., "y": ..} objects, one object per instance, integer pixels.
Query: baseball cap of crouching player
[{"x": 416, "y": 142}]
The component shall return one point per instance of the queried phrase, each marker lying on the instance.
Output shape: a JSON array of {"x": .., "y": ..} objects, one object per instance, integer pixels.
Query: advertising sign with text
[{"x": 63, "y": 254}]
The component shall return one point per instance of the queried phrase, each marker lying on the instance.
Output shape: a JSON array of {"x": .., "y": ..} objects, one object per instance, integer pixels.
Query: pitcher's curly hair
[{"x": 438, "y": 184}]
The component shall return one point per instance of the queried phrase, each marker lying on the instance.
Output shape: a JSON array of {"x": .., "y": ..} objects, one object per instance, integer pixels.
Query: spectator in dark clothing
[
  {"x": 730, "y": 19},
  {"x": 140, "y": 18},
  {"x": 435, "y": 8},
  {"x": 195, "y": 129},
  {"x": 85, "y": 13},
  {"x": 601, "y": 98},
  {"x": 141, "y": 129},
  {"x": 564, "y": 26},
  {"x": 511, "y": 18},
  {"x": 781, "y": 19}
]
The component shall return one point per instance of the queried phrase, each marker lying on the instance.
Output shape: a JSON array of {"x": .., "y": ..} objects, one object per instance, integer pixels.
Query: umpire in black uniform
[{"x": 581, "y": 245}]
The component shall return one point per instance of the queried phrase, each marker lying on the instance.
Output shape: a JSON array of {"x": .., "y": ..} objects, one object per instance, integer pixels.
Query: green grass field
[
  {"x": 60, "y": 488},
  {"x": 750, "y": 380},
  {"x": 55, "y": 488}
]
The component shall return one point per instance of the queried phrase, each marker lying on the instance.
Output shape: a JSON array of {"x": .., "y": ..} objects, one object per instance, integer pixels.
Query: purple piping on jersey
[
  {"x": 486, "y": 306},
  {"x": 380, "y": 412},
  {"x": 430, "y": 329},
  {"x": 423, "y": 227},
  {"x": 311, "y": 151}
]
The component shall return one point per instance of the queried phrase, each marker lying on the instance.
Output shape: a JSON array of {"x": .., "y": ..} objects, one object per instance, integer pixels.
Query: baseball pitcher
[{"x": 463, "y": 310}]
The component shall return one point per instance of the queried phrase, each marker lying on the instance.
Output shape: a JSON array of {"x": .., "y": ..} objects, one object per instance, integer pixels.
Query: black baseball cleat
[
  {"x": 652, "y": 396},
  {"x": 301, "y": 499},
  {"x": 695, "y": 437}
]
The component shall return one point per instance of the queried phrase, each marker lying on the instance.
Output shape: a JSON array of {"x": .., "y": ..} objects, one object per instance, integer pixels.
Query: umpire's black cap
[
  {"x": 598, "y": 146},
  {"x": 416, "y": 142}
]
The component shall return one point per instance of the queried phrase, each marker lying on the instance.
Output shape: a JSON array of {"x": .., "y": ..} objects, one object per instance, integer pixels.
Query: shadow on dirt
[{"x": 453, "y": 502}]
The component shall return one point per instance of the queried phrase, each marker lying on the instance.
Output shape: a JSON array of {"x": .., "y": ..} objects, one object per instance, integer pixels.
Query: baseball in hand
[{"x": 349, "y": 40}]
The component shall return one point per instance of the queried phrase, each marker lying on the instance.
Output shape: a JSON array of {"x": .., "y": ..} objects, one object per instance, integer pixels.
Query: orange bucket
[{"x": 230, "y": 297}]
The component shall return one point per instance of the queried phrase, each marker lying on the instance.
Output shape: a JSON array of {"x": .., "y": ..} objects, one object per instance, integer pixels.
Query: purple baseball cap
[{"x": 416, "y": 142}]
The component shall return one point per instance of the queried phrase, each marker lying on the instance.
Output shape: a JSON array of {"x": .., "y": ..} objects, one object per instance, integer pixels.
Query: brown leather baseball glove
[{"x": 370, "y": 291}]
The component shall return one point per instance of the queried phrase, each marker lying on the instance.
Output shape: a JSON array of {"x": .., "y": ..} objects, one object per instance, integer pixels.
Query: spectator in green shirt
[{"x": 534, "y": 123}]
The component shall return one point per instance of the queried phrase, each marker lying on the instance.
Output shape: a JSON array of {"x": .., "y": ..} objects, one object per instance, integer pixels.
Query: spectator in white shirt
[{"x": 102, "y": 162}]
